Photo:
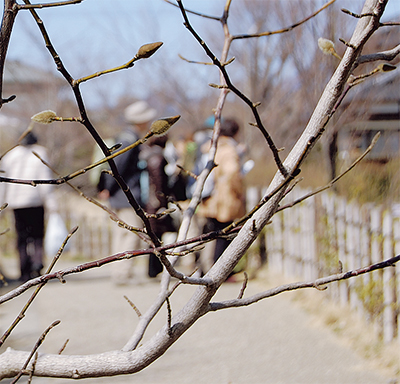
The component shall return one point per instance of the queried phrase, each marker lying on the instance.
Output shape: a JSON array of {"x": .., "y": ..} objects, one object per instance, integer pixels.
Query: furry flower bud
[
  {"x": 44, "y": 117},
  {"x": 160, "y": 127},
  {"x": 326, "y": 46}
]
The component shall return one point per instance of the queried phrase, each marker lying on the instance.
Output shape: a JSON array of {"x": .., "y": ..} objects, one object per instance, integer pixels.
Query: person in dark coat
[
  {"x": 159, "y": 191},
  {"x": 132, "y": 169}
]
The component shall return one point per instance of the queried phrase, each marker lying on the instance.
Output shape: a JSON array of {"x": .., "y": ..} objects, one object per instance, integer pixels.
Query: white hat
[{"x": 139, "y": 112}]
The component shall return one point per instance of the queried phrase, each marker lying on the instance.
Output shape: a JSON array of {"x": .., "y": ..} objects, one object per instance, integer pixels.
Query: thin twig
[
  {"x": 169, "y": 316},
  {"x": 390, "y": 24},
  {"x": 335, "y": 180},
  {"x": 91, "y": 129},
  {"x": 35, "y": 348},
  {"x": 355, "y": 15},
  {"x": 178, "y": 283},
  {"x": 196, "y": 13},
  {"x": 61, "y": 350},
  {"x": 48, "y": 5},
  {"x": 301, "y": 285},
  {"x": 119, "y": 256},
  {"x": 113, "y": 216},
  {"x": 37, "y": 290},
  {"x": 287, "y": 29},
  {"x": 70, "y": 176},
  {"x": 244, "y": 286},
  {"x": 33, "y": 368},
  {"x": 262, "y": 202},
  {"x": 133, "y": 306},
  {"x": 235, "y": 90}
]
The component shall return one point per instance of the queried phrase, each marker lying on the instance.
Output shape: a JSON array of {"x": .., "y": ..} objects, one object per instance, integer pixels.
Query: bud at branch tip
[
  {"x": 160, "y": 127},
  {"x": 147, "y": 50},
  {"x": 44, "y": 117}
]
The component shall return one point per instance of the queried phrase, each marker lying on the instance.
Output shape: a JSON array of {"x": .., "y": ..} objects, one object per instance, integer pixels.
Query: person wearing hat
[{"x": 138, "y": 115}]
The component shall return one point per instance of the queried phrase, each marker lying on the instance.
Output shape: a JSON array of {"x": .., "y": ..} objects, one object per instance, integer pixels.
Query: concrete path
[{"x": 270, "y": 342}]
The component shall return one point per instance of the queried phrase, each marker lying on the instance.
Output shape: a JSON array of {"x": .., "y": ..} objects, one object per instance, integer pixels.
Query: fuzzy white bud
[
  {"x": 44, "y": 117},
  {"x": 326, "y": 46}
]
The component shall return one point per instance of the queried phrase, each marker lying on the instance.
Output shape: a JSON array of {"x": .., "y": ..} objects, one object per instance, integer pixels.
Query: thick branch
[
  {"x": 385, "y": 56},
  {"x": 118, "y": 362},
  {"x": 9, "y": 14}
]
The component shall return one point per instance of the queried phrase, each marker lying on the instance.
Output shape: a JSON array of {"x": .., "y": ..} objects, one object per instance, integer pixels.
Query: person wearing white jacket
[{"x": 27, "y": 201}]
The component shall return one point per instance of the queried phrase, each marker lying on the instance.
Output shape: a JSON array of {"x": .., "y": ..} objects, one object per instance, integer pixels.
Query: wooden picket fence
[
  {"x": 325, "y": 234},
  {"x": 315, "y": 238}
]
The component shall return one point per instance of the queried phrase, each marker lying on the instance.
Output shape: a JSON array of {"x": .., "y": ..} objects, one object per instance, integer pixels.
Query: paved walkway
[{"x": 270, "y": 342}]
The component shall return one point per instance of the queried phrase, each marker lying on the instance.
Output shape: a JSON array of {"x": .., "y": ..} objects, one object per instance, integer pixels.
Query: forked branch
[{"x": 323, "y": 281}]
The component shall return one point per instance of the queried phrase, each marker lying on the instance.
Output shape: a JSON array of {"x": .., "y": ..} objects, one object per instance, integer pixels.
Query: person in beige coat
[{"x": 227, "y": 201}]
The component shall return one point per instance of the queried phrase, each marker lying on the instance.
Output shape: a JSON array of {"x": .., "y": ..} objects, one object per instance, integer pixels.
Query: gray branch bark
[{"x": 127, "y": 362}]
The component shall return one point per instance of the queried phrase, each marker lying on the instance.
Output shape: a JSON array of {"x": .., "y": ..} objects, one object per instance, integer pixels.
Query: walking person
[
  {"x": 227, "y": 200},
  {"x": 138, "y": 115},
  {"x": 159, "y": 193},
  {"x": 28, "y": 202}
]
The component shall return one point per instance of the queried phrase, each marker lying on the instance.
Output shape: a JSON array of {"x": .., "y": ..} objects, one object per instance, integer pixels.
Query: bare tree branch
[
  {"x": 335, "y": 180},
  {"x": 10, "y": 12},
  {"x": 287, "y": 29},
  {"x": 194, "y": 12},
  {"x": 229, "y": 84},
  {"x": 301, "y": 285},
  {"x": 48, "y": 5},
  {"x": 37, "y": 290},
  {"x": 35, "y": 348},
  {"x": 385, "y": 55},
  {"x": 91, "y": 129},
  {"x": 132, "y": 358}
]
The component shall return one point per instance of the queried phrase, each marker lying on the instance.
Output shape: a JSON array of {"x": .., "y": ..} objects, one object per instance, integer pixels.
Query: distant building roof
[
  {"x": 382, "y": 86},
  {"x": 21, "y": 73},
  {"x": 374, "y": 125}
]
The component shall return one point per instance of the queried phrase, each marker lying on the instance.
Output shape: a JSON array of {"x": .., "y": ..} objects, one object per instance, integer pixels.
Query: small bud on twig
[
  {"x": 44, "y": 117},
  {"x": 147, "y": 50},
  {"x": 218, "y": 86},
  {"x": 115, "y": 147},
  {"x": 327, "y": 47},
  {"x": 385, "y": 67},
  {"x": 160, "y": 127}
]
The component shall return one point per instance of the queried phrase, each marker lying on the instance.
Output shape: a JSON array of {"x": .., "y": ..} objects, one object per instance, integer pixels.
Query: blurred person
[
  {"x": 196, "y": 158},
  {"x": 28, "y": 202},
  {"x": 173, "y": 153},
  {"x": 132, "y": 169},
  {"x": 159, "y": 193},
  {"x": 227, "y": 200}
]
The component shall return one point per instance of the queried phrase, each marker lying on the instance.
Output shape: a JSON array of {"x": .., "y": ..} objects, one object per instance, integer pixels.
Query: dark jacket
[
  {"x": 130, "y": 170},
  {"x": 159, "y": 190}
]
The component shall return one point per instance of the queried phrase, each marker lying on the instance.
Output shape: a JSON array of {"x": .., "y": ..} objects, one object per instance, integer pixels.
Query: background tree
[{"x": 133, "y": 358}]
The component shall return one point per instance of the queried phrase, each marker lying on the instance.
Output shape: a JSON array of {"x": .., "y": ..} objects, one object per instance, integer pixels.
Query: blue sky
[{"x": 100, "y": 34}]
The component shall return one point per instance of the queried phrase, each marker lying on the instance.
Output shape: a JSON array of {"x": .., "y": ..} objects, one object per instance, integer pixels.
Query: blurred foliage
[{"x": 371, "y": 296}]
